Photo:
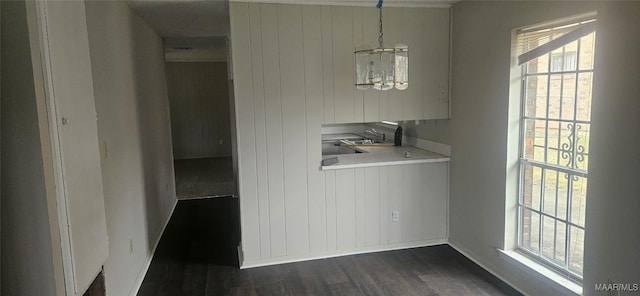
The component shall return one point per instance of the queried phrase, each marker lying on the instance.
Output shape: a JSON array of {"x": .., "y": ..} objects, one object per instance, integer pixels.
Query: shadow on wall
[{"x": 154, "y": 129}]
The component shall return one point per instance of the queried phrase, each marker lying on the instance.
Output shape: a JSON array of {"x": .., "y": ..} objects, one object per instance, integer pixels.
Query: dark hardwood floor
[{"x": 197, "y": 256}]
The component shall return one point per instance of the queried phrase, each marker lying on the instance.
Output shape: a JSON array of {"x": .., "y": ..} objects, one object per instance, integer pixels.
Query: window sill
[{"x": 552, "y": 278}]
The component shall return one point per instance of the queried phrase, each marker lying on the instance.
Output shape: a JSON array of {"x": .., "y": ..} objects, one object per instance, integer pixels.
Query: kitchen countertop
[{"x": 383, "y": 156}]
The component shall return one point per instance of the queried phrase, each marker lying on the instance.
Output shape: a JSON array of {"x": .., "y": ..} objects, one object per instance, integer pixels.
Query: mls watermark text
[{"x": 618, "y": 287}]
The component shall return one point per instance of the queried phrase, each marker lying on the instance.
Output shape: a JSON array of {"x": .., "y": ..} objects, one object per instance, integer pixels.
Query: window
[{"x": 557, "y": 74}]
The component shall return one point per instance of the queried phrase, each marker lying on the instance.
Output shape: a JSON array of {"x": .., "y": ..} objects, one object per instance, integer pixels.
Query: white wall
[
  {"x": 27, "y": 253},
  {"x": 481, "y": 163},
  {"x": 293, "y": 72},
  {"x": 613, "y": 198},
  {"x": 199, "y": 99},
  {"x": 127, "y": 59}
]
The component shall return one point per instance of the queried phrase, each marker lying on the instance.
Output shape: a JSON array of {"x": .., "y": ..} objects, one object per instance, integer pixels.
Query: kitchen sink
[{"x": 334, "y": 147}]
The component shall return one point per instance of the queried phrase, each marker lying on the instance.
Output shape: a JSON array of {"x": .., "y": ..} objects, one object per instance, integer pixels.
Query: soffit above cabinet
[{"x": 371, "y": 3}]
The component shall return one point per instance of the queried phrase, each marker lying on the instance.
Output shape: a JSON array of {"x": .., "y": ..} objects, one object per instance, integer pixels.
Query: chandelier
[{"x": 383, "y": 68}]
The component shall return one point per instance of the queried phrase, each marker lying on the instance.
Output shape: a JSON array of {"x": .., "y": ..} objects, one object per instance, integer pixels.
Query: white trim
[
  {"x": 414, "y": 3},
  {"x": 539, "y": 271},
  {"x": 291, "y": 259},
  {"x": 381, "y": 163},
  {"x": 467, "y": 253},
  {"x": 143, "y": 272}
]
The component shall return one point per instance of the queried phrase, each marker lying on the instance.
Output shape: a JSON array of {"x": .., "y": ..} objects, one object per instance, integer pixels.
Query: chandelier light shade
[{"x": 382, "y": 68}]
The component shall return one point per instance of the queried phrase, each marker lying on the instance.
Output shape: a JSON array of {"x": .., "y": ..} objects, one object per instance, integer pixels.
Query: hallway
[{"x": 204, "y": 177}]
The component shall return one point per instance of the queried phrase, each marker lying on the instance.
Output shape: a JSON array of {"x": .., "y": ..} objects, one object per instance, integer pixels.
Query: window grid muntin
[{"x": 570, "y": 171}]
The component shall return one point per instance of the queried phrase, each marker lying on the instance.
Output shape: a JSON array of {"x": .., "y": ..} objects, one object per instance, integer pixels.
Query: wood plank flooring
[{"x": 197, "y": 256}]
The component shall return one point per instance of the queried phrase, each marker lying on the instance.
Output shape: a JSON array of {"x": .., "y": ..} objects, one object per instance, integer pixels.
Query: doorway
[{"x": 199, "y": 97}]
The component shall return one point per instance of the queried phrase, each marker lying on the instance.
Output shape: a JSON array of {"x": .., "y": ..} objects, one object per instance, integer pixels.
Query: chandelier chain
[{"x": 380, "y": 39}]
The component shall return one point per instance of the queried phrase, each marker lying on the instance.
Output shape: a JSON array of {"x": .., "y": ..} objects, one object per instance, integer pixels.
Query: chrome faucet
[{"x": 377, "y": 136}]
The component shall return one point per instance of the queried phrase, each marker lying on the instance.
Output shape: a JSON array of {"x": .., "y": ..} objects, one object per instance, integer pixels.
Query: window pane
[
  {"x": 536, "y": 96},
  {"x": 531, "y": 186},
  {"x": 556, "y": 100},
  {"x": 576, "y": 250},
  {"x": 553, "y": 140},
  {"x": 570, "y": 56},
  {"x": 538, "y": 65},
  {"x": 548, "y": 236},
  {"x": 568, "y": 96},
  {"x": 555, "y": 87},
  {"x": 582, "y": 146},
  {"x": 530, "y": 228},
  {"x": 566, "y": 144},
  {"x": 561, "y": 237},
  {"x": 534, "y": 132},
  {"x": 549, "y": 196},
  {"x": 578, "y": 200},
  {"x": 584, "y": 96},
  {"x": 563, "y": 192},
  {"x": 586, "y": 52}
]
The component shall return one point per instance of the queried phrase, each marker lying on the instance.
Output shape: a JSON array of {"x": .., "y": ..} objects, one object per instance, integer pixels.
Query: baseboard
[
  {"x": 291, "y": 259},
  {"x": 143, "y": 272},
  {"x": 467, "y": 253}
]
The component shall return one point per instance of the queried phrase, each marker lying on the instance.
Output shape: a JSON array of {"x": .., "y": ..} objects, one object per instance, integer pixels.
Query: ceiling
[
  {"x": 185, "y": 18},
  {"x": 189, "y": 18},
  {"x": 203, "y": 25}
]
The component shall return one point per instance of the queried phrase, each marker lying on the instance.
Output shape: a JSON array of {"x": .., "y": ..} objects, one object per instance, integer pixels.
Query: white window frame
[{"x": 583, "y": 29}]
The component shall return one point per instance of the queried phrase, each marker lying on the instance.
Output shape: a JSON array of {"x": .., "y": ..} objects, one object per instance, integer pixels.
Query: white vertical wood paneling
[
  {"x": 413, "y": 36},
  {"x": 411, "y": 204},
  {"x": 395, "y": 196},
  {"x": 436, "y": 63},
  {"x": 372, "y": 223},
  {"x": 345, "y": 209},
  {"x": 294, "y": 127},
  {"x": 293, "y": 72},
  {"x": 312, "y": 32},
  {"x": 343, "y": 83},
  {"x": 393, "y": 32},
  {"x": 246, "y": 134},
  {"x": 327, "y": 64},
  {"x": 384, "y": 212},
  {"x": 370, "y": 38},
  {"x": 434, "y": 179},
  {"x": 261, "y": 132},
  {"x": 330, "y": 205},
  {"x": 273, "y": 116},
  {"x": 360, "y": 209},
  {"x": 358, "y": 96}
]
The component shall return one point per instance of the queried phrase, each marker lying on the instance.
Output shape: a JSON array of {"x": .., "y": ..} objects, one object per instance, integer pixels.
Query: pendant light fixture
[{"x": 383, "y": 68}]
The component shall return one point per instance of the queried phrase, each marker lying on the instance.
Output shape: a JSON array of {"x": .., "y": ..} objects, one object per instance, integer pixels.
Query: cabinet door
[{"x": 72, "y": 86}]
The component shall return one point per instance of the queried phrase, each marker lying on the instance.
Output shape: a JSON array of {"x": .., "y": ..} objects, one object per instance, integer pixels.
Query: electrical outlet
[{"x": 395, "y": 216}]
